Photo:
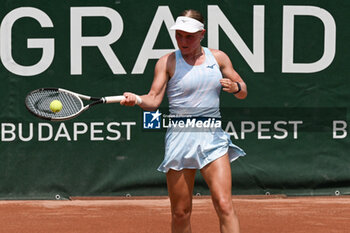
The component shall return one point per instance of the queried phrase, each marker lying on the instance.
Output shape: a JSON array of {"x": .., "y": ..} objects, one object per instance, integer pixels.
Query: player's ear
[{"x": 202, "y": 34}]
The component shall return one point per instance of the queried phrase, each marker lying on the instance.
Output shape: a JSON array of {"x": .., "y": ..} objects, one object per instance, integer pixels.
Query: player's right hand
[{"x": 130, "y": 99}]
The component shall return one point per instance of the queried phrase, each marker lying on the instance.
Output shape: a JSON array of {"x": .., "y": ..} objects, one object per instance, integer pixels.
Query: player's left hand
[{"x": 229, "y": 85}]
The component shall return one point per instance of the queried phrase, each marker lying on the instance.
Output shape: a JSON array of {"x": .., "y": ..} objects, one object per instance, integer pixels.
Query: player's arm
[
  {"x": 232, "y": 81},
  {"x": 153, "y": 99}
]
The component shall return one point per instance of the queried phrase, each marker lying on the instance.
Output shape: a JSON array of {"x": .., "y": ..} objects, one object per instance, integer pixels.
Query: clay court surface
[{"x": 257, "y": 214}]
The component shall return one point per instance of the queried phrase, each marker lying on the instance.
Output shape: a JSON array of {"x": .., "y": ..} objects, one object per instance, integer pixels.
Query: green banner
[{"x": 293, "y": 125}]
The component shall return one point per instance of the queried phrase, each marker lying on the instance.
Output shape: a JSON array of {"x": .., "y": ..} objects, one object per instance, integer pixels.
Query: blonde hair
[{"x": 194, "y": 14}]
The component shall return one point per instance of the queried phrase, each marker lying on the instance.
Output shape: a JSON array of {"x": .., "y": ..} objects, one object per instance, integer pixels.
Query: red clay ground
[{"x": 128, "y": 215}]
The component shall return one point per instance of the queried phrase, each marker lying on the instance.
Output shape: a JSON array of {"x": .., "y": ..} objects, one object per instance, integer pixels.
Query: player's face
[{"x": 188, "y": 42}]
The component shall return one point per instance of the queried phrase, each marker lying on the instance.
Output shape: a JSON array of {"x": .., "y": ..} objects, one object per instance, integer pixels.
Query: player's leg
[
  {"x": 180, "y": 188},
  {"x": 218, "y": 177}
]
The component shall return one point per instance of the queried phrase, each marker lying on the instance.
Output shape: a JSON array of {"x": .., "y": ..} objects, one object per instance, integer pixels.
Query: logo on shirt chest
[{"x": 211, "y": 66}]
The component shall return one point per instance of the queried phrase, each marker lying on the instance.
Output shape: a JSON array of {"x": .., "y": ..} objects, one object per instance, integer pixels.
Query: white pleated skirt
[{"x": 194, "y": 149}]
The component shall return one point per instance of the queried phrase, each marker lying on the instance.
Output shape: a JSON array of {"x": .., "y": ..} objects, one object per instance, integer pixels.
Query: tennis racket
[{"x": 38, "y": 103}]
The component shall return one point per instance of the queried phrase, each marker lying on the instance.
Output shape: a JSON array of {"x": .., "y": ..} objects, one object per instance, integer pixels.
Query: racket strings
[{"x": 39, "y": 103}]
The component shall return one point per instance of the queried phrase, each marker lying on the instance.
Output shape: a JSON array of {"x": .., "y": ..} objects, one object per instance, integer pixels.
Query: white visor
[{"x": 187, "y": 24}]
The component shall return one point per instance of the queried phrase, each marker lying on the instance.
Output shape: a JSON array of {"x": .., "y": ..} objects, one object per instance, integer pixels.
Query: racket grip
[{"x": 117, "y": 99}]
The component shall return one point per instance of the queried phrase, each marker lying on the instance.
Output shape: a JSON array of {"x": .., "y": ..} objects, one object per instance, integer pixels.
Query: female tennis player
[{"x": 193, "y": 77}]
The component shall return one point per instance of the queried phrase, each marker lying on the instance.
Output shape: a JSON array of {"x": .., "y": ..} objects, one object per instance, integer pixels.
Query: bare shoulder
[
  {"x": 167, "y": 57},
  {"x": 220, "y": 56},
  {"x": 216, "y": 52},
  {"x": 166, "y": 64},
  {"x": 166, "y": 60}
]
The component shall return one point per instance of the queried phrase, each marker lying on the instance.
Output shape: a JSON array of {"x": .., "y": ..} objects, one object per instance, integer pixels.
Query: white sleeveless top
[{"x": 195, "y": 90}]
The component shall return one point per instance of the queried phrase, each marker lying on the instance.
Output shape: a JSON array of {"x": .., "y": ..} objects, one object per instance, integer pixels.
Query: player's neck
[{"x": 194, "y": 55}]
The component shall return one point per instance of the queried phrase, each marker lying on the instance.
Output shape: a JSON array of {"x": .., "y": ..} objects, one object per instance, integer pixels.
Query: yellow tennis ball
[{"x": 56, "y": 106}]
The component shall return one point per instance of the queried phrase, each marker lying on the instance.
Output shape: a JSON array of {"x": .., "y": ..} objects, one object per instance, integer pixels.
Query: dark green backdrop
[{"x": 309, "y": 161}]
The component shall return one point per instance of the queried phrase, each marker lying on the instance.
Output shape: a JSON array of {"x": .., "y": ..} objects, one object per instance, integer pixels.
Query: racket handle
[{"x": 118, "y": 98}]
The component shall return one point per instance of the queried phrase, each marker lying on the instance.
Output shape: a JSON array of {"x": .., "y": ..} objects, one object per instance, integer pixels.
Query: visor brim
[{"x": 184, "y": 28}]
